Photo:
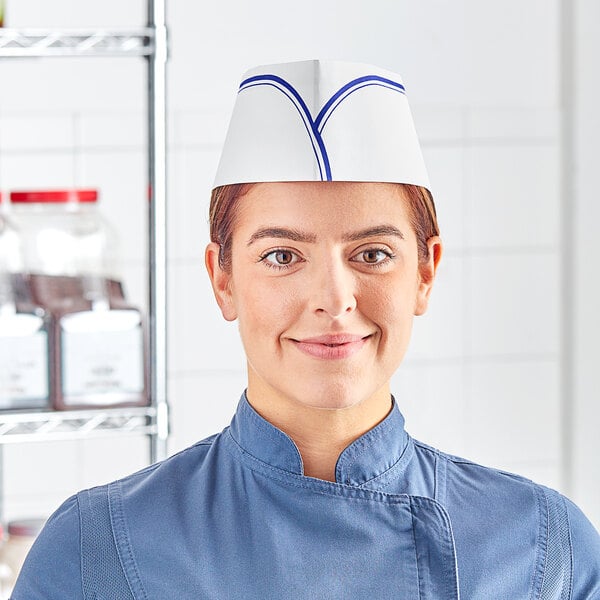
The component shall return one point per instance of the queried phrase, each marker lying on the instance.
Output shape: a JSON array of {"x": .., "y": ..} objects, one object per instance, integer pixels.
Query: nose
[{"x": 333, "y": 289}]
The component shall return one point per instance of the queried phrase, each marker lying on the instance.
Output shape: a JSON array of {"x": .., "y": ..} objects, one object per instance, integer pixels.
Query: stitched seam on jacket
[
  {"x": 271, "y": 431},
  {"x": 556, "y": 508},
  {"x": 571, "y": 574},
  {"x": 412, "y": 517},
  {"x": 323, "y": 488},
  {"x": 122, "y": 542},
  {"x": 545, "y": 530},
  {"x": 394, "y": 472},
  {"x": 284, "y": 476},
  {"x": 338, "y": 489},
  {"x": 208, "y": 442},
  {"x": 537, "y": 575},
  {"x": 451, "y": 547},
  {"x": 81, "y": 568},
  {"x": 439, "y": 482},
  {"x": 359, "y": 446},
  {"x": 569, "y": 590}
]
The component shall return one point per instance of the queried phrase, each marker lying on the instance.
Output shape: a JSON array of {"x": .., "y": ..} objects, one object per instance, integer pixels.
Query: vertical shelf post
[{"x": 157, "y": 238}]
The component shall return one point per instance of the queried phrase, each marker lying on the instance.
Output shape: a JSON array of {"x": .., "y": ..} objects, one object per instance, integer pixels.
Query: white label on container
[
  {"x": 23, "y": 369},
  {"x": 102, "y": 353}
]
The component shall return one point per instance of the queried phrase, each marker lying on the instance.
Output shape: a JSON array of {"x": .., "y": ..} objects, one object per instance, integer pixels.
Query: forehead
[{"x": 324, "y": 205}]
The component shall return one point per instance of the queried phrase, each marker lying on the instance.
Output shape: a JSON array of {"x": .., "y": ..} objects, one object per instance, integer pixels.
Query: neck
[{"x": 321, "y": 434}]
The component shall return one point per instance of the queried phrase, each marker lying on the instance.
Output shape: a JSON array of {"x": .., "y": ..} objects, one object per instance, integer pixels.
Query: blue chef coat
[{"x": 234, "y": 518}]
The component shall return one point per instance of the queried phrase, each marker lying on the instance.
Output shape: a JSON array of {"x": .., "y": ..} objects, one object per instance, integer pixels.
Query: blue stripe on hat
[
  {"x": 350, "y": 88},
  {"x": 302, "y": 109},
  {"x": 314, "y": 127}
]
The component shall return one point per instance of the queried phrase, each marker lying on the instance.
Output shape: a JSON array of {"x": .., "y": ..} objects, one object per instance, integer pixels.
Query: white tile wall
[
  {"x": 514, "y": 304},
  {"x": 36, "y": 170},
  {"x": 440, "y": 124},
  {"x": 512, "y": 203},
  {"x": 494, "y": 124},
  {"x": 204, "y": 129},
  {"x": 483, "y": 83},
  {"x": 513, "y": 413},
  {"x": 514, "y": 53},
  {"x": 34, "y": 132},
  {"x": 104, "y": 130},
  {"x": 73, "y": 84}
]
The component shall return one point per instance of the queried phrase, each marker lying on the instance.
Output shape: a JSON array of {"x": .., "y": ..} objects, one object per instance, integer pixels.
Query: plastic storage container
[
  {"x": 21, "y": 535},
  {"x": 97, "y": 339},
  {"x": 24, "y": 352}
]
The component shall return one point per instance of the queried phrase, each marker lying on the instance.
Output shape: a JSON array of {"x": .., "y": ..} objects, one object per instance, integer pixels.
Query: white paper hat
[{"x": 321, "y": 121}]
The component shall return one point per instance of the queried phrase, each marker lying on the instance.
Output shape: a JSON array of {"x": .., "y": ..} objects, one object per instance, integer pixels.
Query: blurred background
[{"x": 504, "y": 367}]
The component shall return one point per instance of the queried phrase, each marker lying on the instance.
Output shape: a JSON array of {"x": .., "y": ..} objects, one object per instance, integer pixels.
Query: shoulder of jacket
[
  {"x": 458, "y": 464},
  {"x": 188, "y": 458}
]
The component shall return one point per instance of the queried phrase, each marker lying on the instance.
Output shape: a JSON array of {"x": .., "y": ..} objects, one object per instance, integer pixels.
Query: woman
[{"x": 324, "y": 245}]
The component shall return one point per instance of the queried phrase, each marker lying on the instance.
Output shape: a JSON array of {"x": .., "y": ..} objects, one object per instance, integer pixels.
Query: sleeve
[
  {"x": 52, "y": 569},
  {"x": 585, "y": 543}
]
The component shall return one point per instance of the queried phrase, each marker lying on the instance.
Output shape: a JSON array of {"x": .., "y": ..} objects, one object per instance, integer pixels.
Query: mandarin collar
[{"x": 368, "y": 457}]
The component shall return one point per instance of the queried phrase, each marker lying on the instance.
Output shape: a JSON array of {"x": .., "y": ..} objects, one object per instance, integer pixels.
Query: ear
[
  {"x": 220, "y": 281},
  {"x": 427, "y": 271}
]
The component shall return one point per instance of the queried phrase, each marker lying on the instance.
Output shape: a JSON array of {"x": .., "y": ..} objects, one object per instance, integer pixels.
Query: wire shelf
[
  {"x": 76, "y": 424},
  {"x": 29, "y": 43},
  {"x": 150, "y": 42}
]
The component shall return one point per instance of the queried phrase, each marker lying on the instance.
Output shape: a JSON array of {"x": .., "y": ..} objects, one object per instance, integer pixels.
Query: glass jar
[
  {"x": 24, "y": 352},
  {"x": 64, "y": 235},
  {"x": 97, "y": 339}
]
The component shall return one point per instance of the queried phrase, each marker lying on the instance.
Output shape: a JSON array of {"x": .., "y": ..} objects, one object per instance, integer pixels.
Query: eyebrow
[
  {"x": 379, "y": 230},
  {"x": 282, "y": 232},
  {"x": 300, "y": 236}
]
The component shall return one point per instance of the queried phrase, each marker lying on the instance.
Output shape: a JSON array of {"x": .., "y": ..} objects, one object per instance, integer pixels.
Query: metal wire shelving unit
[
  {"x": 27, "y": 43},
  {"x": 76, "y": 424},
  {"x": 149, "y": 42}
]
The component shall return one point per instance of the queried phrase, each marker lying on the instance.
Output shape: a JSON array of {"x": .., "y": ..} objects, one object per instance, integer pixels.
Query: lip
[{"x": 331, "y": 347}]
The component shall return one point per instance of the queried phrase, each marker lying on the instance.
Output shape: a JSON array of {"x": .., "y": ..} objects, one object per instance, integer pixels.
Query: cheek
[
  {"x": 377, "y": 302},
  {"x": 390, "y": 306},
  {"x": 388, "y": 300},
  {"x": 264, "y": 307}
]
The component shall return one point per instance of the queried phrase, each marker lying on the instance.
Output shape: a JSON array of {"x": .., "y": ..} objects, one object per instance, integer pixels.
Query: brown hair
[{"x": 223, "y": 202}]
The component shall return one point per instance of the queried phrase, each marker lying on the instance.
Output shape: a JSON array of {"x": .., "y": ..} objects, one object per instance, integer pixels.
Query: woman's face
[{"x": 324, "y": 283}]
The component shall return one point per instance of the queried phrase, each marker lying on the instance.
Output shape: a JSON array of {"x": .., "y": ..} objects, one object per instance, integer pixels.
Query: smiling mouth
[{"x": 332, "y": 347}]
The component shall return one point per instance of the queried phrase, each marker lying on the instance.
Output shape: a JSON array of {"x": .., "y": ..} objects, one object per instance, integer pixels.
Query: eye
[
  {"x": 280, "y": 258},
  {"x": 372, "y": 256}
]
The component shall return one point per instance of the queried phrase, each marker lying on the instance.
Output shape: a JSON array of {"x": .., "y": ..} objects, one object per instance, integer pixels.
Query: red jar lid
[
  {"x": 53, "y": 196},
  {"x": 25, "y": 527}
]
